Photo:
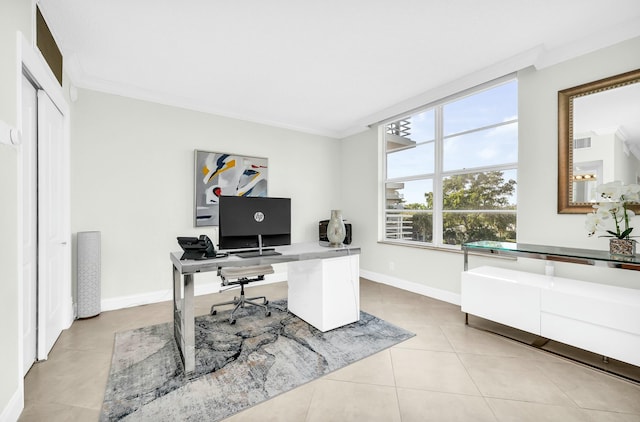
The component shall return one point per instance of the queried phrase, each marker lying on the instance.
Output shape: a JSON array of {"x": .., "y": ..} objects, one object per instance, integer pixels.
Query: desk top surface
[{"x": 289, "y": 253}]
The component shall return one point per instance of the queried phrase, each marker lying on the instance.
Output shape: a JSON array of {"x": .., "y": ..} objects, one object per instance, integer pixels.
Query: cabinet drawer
[
  {"x": 606, "y": 341},
  {"x": 488, "y": 295},
  {"x": 605, "y": 310}
]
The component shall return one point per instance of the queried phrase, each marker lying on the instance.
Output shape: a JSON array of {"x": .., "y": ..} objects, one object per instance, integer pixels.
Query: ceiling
[{"x": 326, "y": 67}]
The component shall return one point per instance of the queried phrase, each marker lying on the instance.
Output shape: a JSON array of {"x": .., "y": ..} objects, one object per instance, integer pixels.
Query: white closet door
[
  {"x": 54, "y": 272},
  {"x": 29, "y": 223}
]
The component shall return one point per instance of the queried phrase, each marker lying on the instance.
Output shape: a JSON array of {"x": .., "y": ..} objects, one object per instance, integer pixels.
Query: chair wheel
[
  {"x": 231, "y": 322},
  {"x": 266, "y": 302},
  {"x": 213, "y": 312},
  {"x": 268, "y": 313}
]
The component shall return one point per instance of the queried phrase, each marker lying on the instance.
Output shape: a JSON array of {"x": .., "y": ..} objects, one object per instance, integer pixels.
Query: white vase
[{"x": 336, "y": 231}]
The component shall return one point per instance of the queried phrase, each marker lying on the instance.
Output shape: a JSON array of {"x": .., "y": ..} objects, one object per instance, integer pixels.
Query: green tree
[{"x": 473, "y": 191}]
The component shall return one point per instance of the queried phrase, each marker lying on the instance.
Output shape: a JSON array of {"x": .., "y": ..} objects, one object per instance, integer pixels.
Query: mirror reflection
[
  {"x": 598, "y": 139},
  {"x": 606, "y": 140}
]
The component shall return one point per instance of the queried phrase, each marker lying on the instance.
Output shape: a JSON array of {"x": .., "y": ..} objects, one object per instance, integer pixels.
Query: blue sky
[{"x": 496, "y": 145}]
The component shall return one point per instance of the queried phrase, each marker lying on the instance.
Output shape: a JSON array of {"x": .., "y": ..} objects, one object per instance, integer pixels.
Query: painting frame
[{"x": 220, "y": 173}]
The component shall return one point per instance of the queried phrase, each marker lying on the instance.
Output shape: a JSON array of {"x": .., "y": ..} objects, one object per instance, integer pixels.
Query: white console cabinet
[{"x": 599, "y": 318}]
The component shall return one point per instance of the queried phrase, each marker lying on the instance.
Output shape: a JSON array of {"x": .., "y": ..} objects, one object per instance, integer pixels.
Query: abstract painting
[{"x": 218, "y": 174}]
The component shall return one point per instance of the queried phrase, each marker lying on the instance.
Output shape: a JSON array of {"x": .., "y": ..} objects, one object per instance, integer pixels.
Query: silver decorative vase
[
  {"x": 622, "y": 247},
  {"x": 336, "y": 231}
]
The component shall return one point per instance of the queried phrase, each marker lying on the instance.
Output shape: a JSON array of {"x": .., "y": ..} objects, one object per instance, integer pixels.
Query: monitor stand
[{"x": 258, "y": 253}]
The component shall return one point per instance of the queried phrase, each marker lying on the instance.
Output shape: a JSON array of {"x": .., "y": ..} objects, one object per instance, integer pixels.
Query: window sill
[{"x": 454, "y": 249}]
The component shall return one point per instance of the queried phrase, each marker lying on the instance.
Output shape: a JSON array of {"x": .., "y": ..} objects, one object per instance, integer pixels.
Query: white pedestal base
[{"x": 325, "y": 292}]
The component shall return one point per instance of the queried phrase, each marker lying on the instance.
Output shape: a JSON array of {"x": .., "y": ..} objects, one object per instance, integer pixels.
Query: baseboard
[
  {"x": 121, "y": 302},
  {"x": 14, "y": 408},
  {"x": 421, "y": 289},
  {"x": 214, "y": 287}
]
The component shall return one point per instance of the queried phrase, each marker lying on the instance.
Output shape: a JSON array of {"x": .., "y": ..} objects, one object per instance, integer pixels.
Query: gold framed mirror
[{"x": 598, "y": 139}]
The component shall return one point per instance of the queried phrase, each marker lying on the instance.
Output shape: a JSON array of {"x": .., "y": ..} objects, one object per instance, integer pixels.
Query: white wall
[
  {"x": 538, "y": 221},
  {"x": 15, "y": 16},
  {"x": 9, "y": 352},
  {"x": 132, "y": 165},
  {"x": 438, "y": 272}
]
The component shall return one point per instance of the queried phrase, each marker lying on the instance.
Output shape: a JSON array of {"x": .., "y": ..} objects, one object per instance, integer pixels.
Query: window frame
[{"x": 439, "y": 174}]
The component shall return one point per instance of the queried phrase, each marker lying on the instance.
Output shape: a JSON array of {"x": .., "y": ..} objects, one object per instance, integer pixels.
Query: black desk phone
[{"x": 197, "y": 247}]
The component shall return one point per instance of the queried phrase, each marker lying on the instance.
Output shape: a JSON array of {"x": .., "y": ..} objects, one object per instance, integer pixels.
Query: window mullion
[
  {"x": 481, "y": 128},
  {"x": 437, "y": 177}
]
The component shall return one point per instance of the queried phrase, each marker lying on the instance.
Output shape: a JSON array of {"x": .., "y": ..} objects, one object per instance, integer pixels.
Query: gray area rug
[{"x": 237, "y": 366}]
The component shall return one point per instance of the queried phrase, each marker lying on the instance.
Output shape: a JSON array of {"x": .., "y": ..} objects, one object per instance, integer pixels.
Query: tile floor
[{"x": 447, "y": 372}]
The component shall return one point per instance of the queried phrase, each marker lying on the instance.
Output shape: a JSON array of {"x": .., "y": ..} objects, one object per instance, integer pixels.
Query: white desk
[{"x": 323, "y": 288}]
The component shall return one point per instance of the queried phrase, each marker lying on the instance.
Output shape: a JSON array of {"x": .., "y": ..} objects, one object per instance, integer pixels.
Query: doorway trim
[{"x": 31, "y": 63}]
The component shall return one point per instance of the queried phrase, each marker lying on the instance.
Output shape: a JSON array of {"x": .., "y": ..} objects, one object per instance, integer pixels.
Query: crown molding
[
  {"x": 596, "y": 41},
  {"x": 79, "y": 79},
  {"x": 479, "y": 77}
]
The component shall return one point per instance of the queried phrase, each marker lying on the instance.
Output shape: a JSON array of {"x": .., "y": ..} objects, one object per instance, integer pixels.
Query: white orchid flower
[
  {"x": 593, "y": 223},
  {"x": 606, "y": 210},
  {"x": 610, "y": 191},
  {"x": 612, "y": 215},
  {"x": 630, "y": 193}
]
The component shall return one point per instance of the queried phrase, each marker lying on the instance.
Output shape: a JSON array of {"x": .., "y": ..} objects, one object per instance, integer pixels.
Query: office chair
[{"x": 240, "y": 276}]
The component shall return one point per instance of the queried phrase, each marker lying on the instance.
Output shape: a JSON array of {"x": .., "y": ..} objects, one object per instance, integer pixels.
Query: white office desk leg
[{"x": 183, "y": 318}]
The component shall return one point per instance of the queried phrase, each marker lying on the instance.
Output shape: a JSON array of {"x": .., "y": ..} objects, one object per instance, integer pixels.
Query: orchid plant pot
[{"x": 622, "y": 247}]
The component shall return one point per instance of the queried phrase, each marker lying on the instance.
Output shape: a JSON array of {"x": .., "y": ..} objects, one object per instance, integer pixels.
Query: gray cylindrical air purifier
[{"x": 88, "y": 261}]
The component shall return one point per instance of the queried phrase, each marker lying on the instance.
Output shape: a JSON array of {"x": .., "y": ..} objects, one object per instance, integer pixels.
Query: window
[{"x": 451, "y": 169}]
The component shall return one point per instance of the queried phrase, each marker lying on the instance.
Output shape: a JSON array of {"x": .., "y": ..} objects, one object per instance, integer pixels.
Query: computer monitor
[{"x": 253, "y": 222}]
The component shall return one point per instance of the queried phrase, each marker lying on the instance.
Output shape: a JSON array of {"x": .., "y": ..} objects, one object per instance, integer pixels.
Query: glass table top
[{"x": 543, "y": 251}]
